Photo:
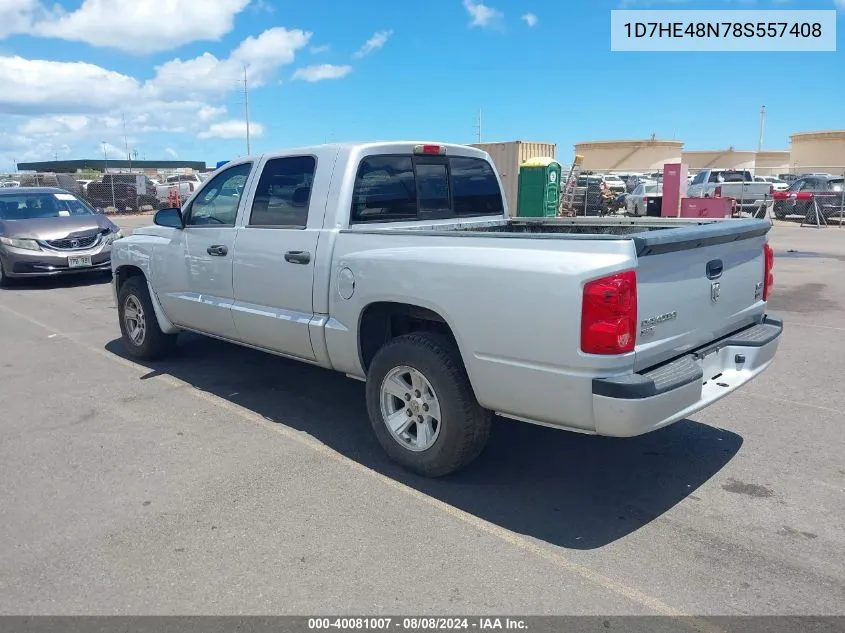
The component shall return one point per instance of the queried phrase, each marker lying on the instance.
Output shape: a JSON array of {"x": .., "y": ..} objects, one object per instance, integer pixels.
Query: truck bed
[{"x": 651, "y": 235}]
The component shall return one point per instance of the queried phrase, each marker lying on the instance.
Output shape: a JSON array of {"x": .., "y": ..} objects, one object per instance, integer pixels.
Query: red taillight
[
  {"x": 609, "y": 314},
  {"x": 804, "y": 195},
  {"x": 771, "y": 190},
  {"x": 780, "y": 195},
  {"x": 768, "y": 275},
  {"x": 717, "y": 193}
]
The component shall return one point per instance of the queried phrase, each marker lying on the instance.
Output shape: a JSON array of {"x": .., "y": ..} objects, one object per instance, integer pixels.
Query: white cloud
[
  {"x": 316, "y": 50},
  {"x": 320, "y": 72},
  {"x": 35, "y": 85},
  {"x": 171, "y": 152},
  {"x": 208, "y": 75},
  {"x": 142, "y": 26},
  {"x": 262, "y": 6},
  {"x": 231, "y": 129},
  {"x": 16, "y": 16},
  {"x": 530, "y": 19},
  {"x": 111, "y": 151},
  {"x": 273, "y": 48},
  {"x": 377, "y": 41},
  {"x": 482, "y": 15}
]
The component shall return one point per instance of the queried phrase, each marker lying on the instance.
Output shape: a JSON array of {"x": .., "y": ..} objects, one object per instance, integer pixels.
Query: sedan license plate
[{"x": 79, "y": 261}]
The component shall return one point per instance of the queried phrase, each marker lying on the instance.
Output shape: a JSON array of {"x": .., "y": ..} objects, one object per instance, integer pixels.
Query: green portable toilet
[{"x": 538, "y": 195}]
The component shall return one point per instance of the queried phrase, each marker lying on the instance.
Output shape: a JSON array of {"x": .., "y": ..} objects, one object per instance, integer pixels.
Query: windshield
[{"x": 28, "y": 206}]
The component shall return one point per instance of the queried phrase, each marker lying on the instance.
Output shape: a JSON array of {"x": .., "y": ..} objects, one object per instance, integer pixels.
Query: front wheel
[
  {"x": 142, "y": 336},
  {"x": 422, "y": 407}
]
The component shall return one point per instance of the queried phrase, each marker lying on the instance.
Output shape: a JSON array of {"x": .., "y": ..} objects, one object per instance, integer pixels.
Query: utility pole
[
  {"x": 762, "y": 128},
  {"x": 246, "y": 111},
  {"x": 126, "y": 143},
  {"x": 478, "y": 127}
]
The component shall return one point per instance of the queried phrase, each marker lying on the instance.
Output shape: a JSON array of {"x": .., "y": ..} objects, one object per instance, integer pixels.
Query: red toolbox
[{"x": 707, "y": 207}]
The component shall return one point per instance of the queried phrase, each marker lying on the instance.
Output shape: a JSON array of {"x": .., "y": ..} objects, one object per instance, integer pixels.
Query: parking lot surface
[{"x": 227, "y": 481}]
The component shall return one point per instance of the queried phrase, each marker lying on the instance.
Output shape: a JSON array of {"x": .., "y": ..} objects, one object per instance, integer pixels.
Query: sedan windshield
[{"x": 28, "y": 206}]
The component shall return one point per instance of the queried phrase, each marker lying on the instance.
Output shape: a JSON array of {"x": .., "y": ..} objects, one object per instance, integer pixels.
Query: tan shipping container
[{"x": 508, "y": 156}]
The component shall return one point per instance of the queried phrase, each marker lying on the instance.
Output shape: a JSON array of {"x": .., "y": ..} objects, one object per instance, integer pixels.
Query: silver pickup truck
[{"x": 397, "y": 264}]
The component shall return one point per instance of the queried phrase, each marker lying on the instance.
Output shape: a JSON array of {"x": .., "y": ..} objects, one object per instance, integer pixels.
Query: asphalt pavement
[{"x": 227, "y": 481}]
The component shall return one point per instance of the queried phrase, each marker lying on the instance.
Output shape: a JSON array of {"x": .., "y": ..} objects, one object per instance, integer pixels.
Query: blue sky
[{"x": 426, "y": 75}]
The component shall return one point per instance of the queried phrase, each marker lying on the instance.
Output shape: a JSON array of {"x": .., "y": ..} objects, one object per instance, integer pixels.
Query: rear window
[
  {"x": 399, "y": 187},
  {"x": 30, "y": 206}
]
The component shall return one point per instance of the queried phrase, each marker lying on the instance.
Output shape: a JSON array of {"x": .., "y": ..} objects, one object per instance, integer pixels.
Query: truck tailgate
[{"x": 692, "y": 291}]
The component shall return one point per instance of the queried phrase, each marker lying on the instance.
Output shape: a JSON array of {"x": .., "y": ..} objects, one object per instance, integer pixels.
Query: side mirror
[{"x": 169, "y": 217}]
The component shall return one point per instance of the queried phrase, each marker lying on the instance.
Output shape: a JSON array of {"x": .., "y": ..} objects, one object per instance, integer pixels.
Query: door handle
[
  {"x": 217, "y": 250},
  {"x": 298, "y": 257}
]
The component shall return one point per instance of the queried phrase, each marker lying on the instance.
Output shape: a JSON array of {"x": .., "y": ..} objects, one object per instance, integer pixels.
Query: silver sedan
[
  {"x": 646, "y": 195},
  {"x": 46, "y": 231}
]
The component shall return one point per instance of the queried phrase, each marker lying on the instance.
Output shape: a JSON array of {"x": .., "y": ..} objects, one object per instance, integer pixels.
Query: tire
[
  {"x": 4, "y": 280},
  {"x": 152, "y": 343},
  {"x": 462, "y": 431}
]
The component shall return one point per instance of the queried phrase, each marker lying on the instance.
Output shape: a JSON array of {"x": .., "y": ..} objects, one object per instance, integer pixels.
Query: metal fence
[
  {"x": 119, "y": 192},
  {"x": 809, "y": 195}
]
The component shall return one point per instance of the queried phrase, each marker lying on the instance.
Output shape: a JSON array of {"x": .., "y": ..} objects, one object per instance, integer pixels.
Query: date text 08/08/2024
[{"x": 417, "y": 623}]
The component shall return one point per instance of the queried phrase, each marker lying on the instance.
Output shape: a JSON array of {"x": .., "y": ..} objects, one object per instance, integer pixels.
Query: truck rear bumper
[{"x": 634, "y": 404}]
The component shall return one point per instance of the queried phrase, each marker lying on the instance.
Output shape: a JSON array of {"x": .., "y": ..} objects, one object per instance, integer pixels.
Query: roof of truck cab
[{"x": 353, "y": 146}]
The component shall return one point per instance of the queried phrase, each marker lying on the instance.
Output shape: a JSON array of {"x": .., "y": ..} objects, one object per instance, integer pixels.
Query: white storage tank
[
  {"x": 720, "y": 159},
  {"x": 818, "y": 151},
  {"x": 772, "y": 163},
  {"x": 629, "y": 156},
  {"x": 508, "y": 156}
]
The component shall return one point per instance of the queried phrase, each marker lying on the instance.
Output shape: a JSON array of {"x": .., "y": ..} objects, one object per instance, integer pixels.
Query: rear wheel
[
  {"x": 142, "y": 336},
  {"x": 422, "y": 407}
]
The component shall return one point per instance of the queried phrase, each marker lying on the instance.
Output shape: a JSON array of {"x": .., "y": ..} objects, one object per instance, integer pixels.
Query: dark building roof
[{"x": 71, "y": 166}]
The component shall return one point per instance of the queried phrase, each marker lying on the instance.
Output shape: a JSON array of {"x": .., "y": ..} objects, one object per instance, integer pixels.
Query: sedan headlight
[
  {"x": 30, "y": 245},
  {"x": 108, "y": 238}
]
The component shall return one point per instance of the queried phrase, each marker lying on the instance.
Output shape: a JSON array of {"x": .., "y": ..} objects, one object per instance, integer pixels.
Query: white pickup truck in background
[
  {"x": 731, "y": 183},
  {"x": 183, "y": 184},
  {"x": 396, "y": 263}
]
